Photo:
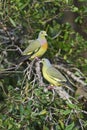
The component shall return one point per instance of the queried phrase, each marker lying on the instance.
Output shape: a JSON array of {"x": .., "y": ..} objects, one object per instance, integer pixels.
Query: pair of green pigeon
[{"x": 36, "y": 49}]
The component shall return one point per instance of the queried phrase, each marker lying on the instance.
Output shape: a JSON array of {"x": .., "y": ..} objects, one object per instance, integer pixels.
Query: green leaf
[
  {"x": 21, "y": 108},
  {"x": 65, "y": 112},
  {"x": 75, "y": 9},
  {"x": 61, "y": 124},
  {"x": 45, "y": 128},
  {"x": 43, "y": 112},
  {"x": 12, "y": 21},
  {"x": 73, "y": 106},
  {"x": 70, "y": 127}
]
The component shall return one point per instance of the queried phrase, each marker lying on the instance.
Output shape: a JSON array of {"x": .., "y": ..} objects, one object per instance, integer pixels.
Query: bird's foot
[
  {"x": 50, "y": 87},
  {"x": 37, "y": 58}
]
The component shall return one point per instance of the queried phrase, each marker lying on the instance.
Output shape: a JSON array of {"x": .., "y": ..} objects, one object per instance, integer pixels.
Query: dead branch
[
  {"x": 71, "y": 75},
  {"x": 38, "y": 72}
]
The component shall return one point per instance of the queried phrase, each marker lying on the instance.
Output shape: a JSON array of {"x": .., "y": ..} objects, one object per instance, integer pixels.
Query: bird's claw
[
  {"x": 36, "y": 58},
  {"x": 50, "y": 87}
]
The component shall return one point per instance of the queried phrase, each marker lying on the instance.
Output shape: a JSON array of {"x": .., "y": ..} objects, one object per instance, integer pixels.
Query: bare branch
[
  {"x": 38, "y": 72},
  {"x": 71, "y": 75}
]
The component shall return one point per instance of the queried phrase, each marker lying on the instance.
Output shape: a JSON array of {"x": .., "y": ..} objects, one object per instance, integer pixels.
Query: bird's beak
[
  {"x": 40, "y": 61},
  {"x": 46, "y": 34}
]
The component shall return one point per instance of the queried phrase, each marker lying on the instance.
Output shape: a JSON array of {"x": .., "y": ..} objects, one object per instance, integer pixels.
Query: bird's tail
[
  {"x": 13, "y": 68},
  {"x": 68, "y": 85},
  {"x": 22, "y": 59}
]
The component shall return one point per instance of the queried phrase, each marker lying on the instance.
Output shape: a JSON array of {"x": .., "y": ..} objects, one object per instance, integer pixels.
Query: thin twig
[{"x": 57, "y": 35}]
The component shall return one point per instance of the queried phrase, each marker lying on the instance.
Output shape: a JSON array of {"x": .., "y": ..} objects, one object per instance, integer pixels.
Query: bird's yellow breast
[
  {"x": 52, "y": 81},
  {"x": 41, "y": 51}
]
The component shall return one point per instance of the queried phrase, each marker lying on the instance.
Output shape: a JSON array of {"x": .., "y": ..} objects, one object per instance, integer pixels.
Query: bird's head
[
  {"x": 42, "y": 34},
  {"x": 45, "y": 62}
]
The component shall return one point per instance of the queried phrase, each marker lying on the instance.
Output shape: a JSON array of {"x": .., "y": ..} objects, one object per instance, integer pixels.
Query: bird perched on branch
[
  {"x": 36, "y": 48},
  {"x": 52, "y": 75}
]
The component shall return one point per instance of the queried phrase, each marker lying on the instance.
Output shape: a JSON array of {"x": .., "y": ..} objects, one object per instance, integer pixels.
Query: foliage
[
  {"x": 36, "y": 109},
  {"x": 29, "y": 107}
]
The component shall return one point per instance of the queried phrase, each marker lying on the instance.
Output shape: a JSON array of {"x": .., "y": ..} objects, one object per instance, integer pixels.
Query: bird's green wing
[
  {"x": 55, "y": 74},
  {"x": 33, "y": 47}
]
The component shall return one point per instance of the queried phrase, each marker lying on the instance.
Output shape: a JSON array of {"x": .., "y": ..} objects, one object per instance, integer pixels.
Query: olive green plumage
[
  {"x": 37, "y": 47},
  {"x": 52, "y": 75}
]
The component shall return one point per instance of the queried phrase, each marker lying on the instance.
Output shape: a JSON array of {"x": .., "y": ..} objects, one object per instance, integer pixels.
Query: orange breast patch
[{"x": 45, "y": 45}]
